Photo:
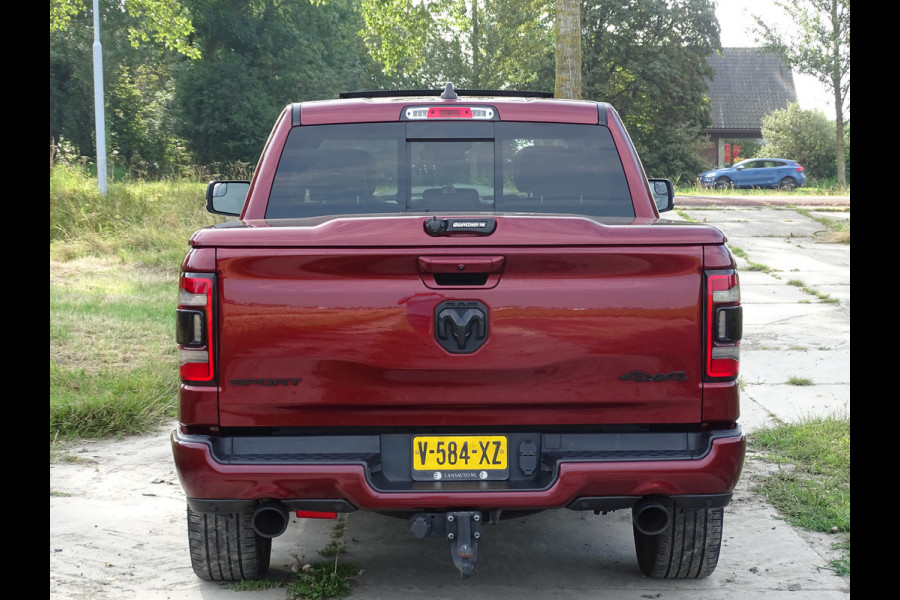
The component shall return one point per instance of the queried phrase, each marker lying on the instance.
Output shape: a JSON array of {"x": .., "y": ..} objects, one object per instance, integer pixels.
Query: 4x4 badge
[{"x": 461, "y": 326}]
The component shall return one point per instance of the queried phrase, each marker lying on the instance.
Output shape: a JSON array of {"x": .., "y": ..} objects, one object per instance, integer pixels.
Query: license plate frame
[{"x": 459, "y": 457}]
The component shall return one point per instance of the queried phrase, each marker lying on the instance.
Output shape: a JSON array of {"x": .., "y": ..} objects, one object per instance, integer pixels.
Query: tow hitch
[{"x": 462, "y": 529}]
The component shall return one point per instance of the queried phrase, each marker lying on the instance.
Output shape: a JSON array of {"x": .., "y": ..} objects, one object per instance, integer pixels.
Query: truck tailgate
[{"x": 572, "y": 334}]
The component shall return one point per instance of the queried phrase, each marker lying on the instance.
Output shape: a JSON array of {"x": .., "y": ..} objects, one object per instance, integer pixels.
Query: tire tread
[
  {"x": 688, "y": 549},
  {"x": 224, "y": 547}
]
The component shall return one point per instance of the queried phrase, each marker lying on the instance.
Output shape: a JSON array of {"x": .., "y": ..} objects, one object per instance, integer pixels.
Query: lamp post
[{"x": 99, "y": 117}]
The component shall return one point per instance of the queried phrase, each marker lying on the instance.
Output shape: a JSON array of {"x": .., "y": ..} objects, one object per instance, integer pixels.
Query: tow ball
[{"x": 462, "y": 529}]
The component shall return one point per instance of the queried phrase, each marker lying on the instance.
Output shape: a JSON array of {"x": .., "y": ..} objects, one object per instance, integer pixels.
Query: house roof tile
[{"x": 748, "y": 83}]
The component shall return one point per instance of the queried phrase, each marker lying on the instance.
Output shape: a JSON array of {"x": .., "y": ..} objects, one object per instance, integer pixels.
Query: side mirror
[
  {"x": 226, "y": 197},
  {"x": 663, "y": 194}
]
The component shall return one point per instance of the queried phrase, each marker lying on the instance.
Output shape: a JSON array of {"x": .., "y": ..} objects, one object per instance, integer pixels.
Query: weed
[
  {"x": 326, "y": 579},
  {"x": 823, "y": 297},
  {"x": 841, "y": 566},
  {"x": 799, "y": 381},
  {"x": 254, "y": 585},
  {"x": 685, "y": 216},
  {"x": 758, "y": 267},
  {"x": 332, "y": 550}
]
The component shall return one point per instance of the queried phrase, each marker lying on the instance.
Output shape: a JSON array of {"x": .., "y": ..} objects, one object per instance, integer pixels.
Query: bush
[{"x": 806, "y": 136}]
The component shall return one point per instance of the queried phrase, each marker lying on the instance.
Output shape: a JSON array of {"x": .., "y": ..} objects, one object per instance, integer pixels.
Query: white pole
[{"x": 99, "y": 118}]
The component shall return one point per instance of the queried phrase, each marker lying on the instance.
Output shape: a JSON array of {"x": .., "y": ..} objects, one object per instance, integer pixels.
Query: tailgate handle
[
  {"x": 461, "y": 264},
  {"x": 470, "y": 226}
]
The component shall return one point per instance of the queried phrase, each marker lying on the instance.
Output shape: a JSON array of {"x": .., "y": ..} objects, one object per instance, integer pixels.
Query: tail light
[
  {"x": 799, "y": 168},
  {"x": 193, "y": 327},
  {"x": 724, "y": 324}
]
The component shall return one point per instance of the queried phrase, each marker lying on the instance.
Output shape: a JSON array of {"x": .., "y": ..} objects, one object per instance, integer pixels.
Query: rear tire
[
  {"x": 788, "y": 184},
  {"x": 688, "y": 549},
  {"x": 224, "y": 547}
]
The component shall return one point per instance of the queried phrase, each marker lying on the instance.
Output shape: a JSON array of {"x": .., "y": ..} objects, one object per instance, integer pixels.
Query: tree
[
  {"x": 258, "y": 56},
  {"x": 482, "y": 44},
  {"x": 568, "y": 49},
  {"x": 802, "y": 135},
  {"x": 818, "y": 45},
  {"x": 164, "y": 22},
  {"x": 137, "y": 81},
  {"x": 648, "y": 58}
]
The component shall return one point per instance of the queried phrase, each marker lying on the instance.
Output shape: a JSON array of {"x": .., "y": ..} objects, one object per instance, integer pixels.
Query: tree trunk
[
  {"x": 568, "y": 49},
  {"x": 838, "y": 100}
]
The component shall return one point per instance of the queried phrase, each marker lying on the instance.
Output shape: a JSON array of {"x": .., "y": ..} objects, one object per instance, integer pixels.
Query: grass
[
  {"x": 837, "y": 230},
  {"x": 823, "y": 297},
  {"x": 111, "y": 353},
  {"x": 114, "y": 263},
  {"x": 812, "y": 189},
  {"x": 812, "y": 487}
]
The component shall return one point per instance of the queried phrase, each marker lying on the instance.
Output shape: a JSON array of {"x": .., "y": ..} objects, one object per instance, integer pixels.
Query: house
[{"x": 748, "y": 83}]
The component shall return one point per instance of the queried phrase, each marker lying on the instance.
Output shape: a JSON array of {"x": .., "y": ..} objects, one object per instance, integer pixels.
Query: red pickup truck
[{"x": 455, "y": 307}]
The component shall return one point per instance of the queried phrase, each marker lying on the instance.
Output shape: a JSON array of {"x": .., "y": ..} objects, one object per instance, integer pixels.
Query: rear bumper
[{"x": 371, "y": 472}]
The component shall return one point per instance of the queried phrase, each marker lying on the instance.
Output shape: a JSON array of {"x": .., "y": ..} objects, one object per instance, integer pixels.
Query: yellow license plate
[{"x": 459, "y": 457}]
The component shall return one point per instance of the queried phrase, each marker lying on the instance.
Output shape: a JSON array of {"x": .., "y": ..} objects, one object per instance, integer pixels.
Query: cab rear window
[{"x": 448, "y": 167}]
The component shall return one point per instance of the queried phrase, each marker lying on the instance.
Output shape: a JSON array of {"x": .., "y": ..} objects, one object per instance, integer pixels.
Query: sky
[{"x": 735, "y": 20}]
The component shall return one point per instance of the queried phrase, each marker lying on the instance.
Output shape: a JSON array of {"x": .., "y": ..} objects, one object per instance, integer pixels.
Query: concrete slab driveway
[{"x": 117, "y": 522}]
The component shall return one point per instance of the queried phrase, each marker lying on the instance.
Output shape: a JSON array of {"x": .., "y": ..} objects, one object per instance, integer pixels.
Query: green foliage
[
  {"x": 137, "y": 90},
  {"x": 165, "y": 22},
  {"x": 162, "y": 22},
  {"x": 806, "y": 136},
  {"x": 62, "y": 11},
  {"x": 477, "y": 45},
  {"x": 258, "y": 56},
  {"x": 648, "y": 58}
]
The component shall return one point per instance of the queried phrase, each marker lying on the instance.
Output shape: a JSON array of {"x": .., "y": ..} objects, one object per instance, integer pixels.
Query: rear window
[{"x": 447, "y": 167}]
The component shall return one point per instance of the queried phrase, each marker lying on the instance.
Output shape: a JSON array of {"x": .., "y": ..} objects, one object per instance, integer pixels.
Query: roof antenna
[{"x": 449, "y": 93}]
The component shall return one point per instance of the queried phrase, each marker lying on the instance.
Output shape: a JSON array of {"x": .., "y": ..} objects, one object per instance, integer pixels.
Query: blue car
[{"x": 779, "y": 173}]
